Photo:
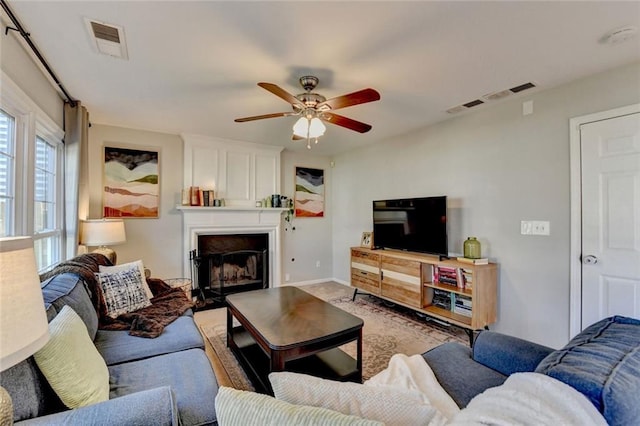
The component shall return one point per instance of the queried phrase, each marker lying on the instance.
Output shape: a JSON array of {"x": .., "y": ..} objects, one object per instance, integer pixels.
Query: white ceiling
[{"x": 193, "y": 66}]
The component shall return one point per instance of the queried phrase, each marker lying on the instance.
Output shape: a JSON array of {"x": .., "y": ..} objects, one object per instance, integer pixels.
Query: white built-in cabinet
[{"x": 238, "y": 172}]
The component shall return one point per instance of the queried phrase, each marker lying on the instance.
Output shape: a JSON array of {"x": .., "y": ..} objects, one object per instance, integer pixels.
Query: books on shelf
[
  {"x": 459, "y": 277},
  {"x": 462, "y": 305},
  {"x": 482, "y": 261}
]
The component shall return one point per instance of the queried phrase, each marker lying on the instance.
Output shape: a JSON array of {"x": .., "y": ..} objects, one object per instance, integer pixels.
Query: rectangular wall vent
[{"x": 107, "y": 39}]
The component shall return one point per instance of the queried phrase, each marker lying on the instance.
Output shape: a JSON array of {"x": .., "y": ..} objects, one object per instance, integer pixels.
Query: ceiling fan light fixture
[
  {"x": 316, "y": 128},
  {"x": 300, "y": 127},
  {"x": 310, "y": 129}
]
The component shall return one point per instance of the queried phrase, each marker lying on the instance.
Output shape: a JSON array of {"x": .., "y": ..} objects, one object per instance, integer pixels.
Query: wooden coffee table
[{"x": 287, "y": 329}]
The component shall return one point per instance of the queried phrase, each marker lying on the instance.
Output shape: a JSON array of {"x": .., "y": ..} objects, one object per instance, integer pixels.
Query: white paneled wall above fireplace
[{"x": 238, "y": 172}]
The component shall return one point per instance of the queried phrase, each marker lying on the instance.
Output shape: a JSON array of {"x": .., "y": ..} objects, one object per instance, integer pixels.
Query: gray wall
[
  {"x": 19, "y": 66},
  {"x": 310, "y": 242},
  {"x": 157, "y": 242},
  {"x": 497, "y": 167}
]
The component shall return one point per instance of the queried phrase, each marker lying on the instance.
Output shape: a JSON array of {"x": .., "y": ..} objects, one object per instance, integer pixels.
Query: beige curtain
[{"x": 76, "y": 176}]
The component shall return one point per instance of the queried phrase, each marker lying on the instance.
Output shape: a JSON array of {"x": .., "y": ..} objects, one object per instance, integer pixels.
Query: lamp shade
[
  {"x": 102, "y": 232},
  {"x": 23, "y": 319}
]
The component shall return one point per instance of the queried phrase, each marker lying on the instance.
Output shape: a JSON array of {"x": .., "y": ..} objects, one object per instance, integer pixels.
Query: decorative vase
[{"x": 472, "y": 249}]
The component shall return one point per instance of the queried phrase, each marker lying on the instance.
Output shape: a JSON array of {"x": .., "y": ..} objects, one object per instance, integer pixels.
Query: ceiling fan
[{"x": 314, "y": 109}]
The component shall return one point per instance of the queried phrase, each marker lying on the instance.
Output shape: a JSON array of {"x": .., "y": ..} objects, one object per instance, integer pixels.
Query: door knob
[{"x": 590, "y": 260}]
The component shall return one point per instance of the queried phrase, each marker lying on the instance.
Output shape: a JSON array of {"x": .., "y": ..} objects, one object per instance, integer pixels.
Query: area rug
[{"x": 388, "y": 329}]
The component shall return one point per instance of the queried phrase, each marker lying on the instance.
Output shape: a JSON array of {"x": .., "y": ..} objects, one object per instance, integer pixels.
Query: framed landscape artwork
[
  {"x": 309, "y": 196},
  {"x": 131, "y": 184}
]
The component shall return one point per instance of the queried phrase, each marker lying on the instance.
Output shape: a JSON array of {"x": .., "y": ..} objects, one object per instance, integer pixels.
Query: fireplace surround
[{"x": 198, "y": 221}]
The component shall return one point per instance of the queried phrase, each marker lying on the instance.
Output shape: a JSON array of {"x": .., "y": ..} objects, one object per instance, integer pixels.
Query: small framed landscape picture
[{"x": 367, "y": 240}]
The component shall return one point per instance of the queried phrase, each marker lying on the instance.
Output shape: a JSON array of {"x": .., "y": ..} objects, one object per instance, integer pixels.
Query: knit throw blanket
[{"x": 166, "y": 306}]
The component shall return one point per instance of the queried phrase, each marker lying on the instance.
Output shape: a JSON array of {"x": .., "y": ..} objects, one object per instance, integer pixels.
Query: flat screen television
[{"x": 411, "y": 224}]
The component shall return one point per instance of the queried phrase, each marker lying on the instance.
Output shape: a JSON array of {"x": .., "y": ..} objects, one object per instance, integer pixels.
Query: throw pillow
[
  {"x": 239, "y": 408},
  {"x": 381, "y": 403},
  {"x": 71, "y": 363},
  {"x": 123, "y": 291},
  {"x": 126, "y": 266}
]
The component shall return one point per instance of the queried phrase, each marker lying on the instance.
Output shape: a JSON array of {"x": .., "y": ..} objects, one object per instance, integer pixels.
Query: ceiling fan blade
[
  {"x": 260, "y": 117},
  {"x": 281, "y": 93},
  {"x": 355, "y": 98},
  {"x": 349, "y": 123},
  {"x": 295, "y": 137}
]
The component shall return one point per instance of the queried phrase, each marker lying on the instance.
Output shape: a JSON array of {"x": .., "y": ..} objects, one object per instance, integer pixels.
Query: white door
[{"x": 610, "y": 163}]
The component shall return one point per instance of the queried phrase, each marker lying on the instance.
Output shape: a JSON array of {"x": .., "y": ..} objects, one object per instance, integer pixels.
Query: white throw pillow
[
  {"x": 240, "y": 408},
  {"x": 384, "y": 404},
  {"x": 123, "y": 291},
  {"x": 71, "y": 363},
  {"x": 125, "y": 266}
]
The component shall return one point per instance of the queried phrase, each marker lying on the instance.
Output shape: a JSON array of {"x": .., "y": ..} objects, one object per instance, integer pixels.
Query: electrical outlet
[
  {"x": 535, "y": 227},
  {"x": 317, "y": 264},
  {"x": 287, "y": 277},
  {"x": 541, "y": 227}
]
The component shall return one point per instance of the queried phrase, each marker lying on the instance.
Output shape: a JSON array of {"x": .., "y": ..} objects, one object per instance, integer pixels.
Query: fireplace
[
  {"x": 229, "y": 263},
  {"x": 238, "y": 221}
]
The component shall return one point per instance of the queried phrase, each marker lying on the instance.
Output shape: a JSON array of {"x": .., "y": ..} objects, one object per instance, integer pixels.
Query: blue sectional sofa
[{"x": 167, "y": 380}]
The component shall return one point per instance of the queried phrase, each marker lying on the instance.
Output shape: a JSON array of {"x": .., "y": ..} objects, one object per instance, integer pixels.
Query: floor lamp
[
  {"x": 103, "y": 233},
  {"x": 23, "y": 320}
]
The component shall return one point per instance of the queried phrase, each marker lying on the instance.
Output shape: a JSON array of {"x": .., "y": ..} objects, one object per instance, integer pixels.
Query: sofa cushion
[
  {"x": 240, "y": 408},
  {"x": 603, "y": 362},
  {"x": 70, "y": 289},
  {"x": 188, "y": 373},
  {"x": 70, "y": 362},
  {"x": 125, "y": 267},
  {"x": 159, "y": 410},
  {"x": 459, "y": 375},
  {"x": 117, "y": 346},
  {"x": 123, "y": 291},
  {"x": 507, "y": 354}
]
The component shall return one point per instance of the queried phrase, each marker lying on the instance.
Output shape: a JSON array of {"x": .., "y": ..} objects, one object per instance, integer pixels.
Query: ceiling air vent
[
  {"x": 108, "y": 39},
  {"x": 473, "y": 103},
  {"x": 506, "y": 92},
  {"x": 463, "y": 107},
  {"x": 497, "y": 95},
  {"x": 522, "y": 87},
  {"x": 491, "y": 97}
]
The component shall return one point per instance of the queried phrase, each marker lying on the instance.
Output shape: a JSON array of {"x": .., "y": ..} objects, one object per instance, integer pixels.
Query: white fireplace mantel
[{"x": 234, "y": 220}]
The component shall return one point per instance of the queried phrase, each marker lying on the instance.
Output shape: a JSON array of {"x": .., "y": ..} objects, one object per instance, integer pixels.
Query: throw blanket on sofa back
[{"x": 166, "y": 305}]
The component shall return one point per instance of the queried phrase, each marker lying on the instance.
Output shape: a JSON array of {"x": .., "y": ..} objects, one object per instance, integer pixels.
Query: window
[
  {"x": 31, "y": 195},
  {"x": 46, "y": 232},
  {"x": 7, "y": 165}
]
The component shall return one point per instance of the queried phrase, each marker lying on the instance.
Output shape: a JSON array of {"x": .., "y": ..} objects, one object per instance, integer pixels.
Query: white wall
[
  {"x": 19, "y": 66},
  {"x": 158, "y": 242},
  {"x": 310, "y": 242},
  {"x": 497, "y": 167}
]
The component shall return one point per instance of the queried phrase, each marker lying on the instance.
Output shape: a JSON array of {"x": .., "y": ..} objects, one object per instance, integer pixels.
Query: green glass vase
[{"x": 472, "y": 248}]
